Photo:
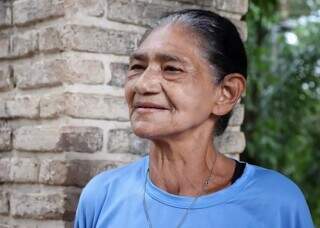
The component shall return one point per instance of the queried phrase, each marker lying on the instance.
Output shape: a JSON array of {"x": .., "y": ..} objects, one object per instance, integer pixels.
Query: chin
[
  {"x": 143, "y": 132},
  {"x": 146, "y": 130}
]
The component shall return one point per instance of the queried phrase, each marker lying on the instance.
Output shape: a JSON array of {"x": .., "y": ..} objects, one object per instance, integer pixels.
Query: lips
[{"x": 148, "y": 106}]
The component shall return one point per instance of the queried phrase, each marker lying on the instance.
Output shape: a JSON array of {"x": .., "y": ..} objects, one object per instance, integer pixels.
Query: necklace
[{"x": 183, "y": 218}]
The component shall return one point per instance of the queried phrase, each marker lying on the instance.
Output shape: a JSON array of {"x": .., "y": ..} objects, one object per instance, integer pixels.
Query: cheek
[
  {"x": 192, "y": 100},
  {"x": 128, "y": 93}
]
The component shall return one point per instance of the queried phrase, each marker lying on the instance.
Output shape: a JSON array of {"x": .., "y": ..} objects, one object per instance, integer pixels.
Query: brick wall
[{"x": 63, "y": 117}]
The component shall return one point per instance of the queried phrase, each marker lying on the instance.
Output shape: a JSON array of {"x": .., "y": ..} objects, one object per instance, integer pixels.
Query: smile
[
  {"x": 148, "y": 110},
  {"x": 147, "y": 107}
]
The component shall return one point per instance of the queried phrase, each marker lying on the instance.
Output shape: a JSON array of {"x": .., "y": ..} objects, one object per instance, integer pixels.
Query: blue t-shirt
[{"x": 259, "y": 198}]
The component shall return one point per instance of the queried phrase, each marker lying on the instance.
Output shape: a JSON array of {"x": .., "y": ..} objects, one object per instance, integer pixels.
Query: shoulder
[
  {"x": 100, "y": 183},
  {"x": 96, "y": 193},
  {"x": 275, "y": 185},
  {"x": 280, "y": 194}
]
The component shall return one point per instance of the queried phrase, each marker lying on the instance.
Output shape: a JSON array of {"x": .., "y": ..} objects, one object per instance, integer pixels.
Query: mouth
[{"x": 148, "y": 107}]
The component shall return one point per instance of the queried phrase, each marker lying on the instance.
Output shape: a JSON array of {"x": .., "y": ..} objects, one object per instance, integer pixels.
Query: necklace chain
[{"x": 183, "y": 218}]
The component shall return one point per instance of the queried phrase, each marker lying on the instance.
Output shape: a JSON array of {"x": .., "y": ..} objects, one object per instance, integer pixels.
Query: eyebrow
[{"x": 159, "y": 56}]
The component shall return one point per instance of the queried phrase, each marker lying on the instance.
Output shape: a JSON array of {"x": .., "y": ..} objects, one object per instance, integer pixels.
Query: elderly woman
[{"x": 183, "y": 81}]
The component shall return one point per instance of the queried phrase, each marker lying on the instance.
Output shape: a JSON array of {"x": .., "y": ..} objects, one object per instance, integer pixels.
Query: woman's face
[{"x": 169, "y": 87}]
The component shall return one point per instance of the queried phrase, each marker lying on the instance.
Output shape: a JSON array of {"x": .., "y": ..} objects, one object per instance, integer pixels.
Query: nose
[{"x": 148, "y": 82}]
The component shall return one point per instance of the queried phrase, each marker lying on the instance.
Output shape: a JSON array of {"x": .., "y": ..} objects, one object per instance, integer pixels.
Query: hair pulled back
[{"x": 220, "y": 42}]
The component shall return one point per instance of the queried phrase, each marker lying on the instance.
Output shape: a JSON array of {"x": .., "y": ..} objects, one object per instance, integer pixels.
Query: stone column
[{"x": 63, "y": 117}]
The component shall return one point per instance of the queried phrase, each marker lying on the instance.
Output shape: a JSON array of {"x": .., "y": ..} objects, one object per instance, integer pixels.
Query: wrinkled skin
[{"x": 173, "y": 102}]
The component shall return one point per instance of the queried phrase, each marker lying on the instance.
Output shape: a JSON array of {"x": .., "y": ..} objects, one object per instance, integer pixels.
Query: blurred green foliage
[{"x": 282, "y": 100}]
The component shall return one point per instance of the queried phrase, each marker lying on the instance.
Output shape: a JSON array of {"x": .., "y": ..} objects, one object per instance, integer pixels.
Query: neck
[{"x": 181, "y": 164}]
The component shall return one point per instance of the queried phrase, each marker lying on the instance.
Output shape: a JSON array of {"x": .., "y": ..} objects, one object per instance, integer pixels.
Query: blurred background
[
  {"x": 63, "y": 118},
  {"x": 282, "y": 102}
]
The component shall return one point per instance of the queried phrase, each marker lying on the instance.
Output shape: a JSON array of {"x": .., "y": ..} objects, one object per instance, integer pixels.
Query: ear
[{"x": 228, "y": 93}]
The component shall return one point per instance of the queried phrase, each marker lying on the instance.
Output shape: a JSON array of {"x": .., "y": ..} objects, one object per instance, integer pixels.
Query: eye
[
  {"x": 172, "y": 69},
  {"x": 136, "y": 67}
]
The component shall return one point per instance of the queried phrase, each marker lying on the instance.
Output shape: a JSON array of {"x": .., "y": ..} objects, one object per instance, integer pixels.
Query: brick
[
  {"x": 4, "y": 203},
  {"x": 5, "y": 78},
  {"x": 51, "y": 106},
  {"x": 73, "y": 172},
  {"x": 99, "y": 40},
  {"x": 5, "y": 13},
  {"x": 4, "y": 45},
  {"x": 30, "y": 223},
  {"x": 147, "y": 13},
  {"x": 24, "y": 107},
  {"x": 235, "y": 156},
  {"x": 40, "y": 74},
  {"x": 228, "y": 15},
  {"x": 237, "y": 116},
  {"x": 198, "y": 2},
  {"x": 53, "y": 224},
  {"x": 26, "y": 11},
  {"x": 95, "y": 8},
  {"x": 71, "y": 199},
  {"x": 37, "y": 205},
  {"x": 24, "y": 44},
  {"x": 97, "y": 166},
  {"x": 36, "y": 138},
  {"x": 3, "y": 112},
  {"x": 56, "y": 172},
  {"x": 4, "y": 222},
  {"x": 234, "y": 6},
  {"x": 24, "y": 170},
  {"x": 5, "y": 164},
  {"x": 81, "y": 139},
  {"x": 5, "y": 139},
  {"x": 230, "y": 142},
  {"x": 118, "y": 74},
  {"x": 140, "y": 13},
  {"x": 96, "y": 106},
  {"x": 43, "y": 205},
  {"x": 124, "y": 141},
  {"x": 50, "y": 40},
  {"x": 242, "y": 28},
  {"x": 119, "y": 141},
  {"x": 54, "y": 72},
  {"x": 85, "y": 71}
]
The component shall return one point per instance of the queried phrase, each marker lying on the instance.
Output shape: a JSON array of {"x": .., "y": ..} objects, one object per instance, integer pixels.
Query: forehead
[{"x": 171, "y": 40}]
